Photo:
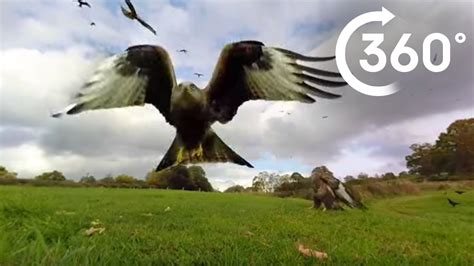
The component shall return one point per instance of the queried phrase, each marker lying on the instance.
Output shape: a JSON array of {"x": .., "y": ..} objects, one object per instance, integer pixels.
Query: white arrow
[{"x": 384, "y": 16}]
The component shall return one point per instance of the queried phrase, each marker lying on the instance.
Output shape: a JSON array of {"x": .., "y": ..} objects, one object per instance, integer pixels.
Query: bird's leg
[
  {"x": 198, "y": 153},
  {"x": 179, "y": 157}
]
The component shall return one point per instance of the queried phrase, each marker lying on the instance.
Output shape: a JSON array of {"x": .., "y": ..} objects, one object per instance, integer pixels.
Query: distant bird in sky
[
  {"x": 184, "y": 51},
  {"x": 132, "y": 14},
  {"x": 324, "y": 117},
  {"x": 92, "y": 23},
  {"x": 83, "y": 3},
  {"x": 245, "y": 71},
  {"x": 198, "y": 74},
  {"x": 460, "y": 192},
  {"x": 452, "y": 202}
]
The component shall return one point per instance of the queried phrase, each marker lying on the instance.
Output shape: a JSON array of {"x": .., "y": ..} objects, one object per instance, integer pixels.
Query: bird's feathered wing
[
  {"x": 146, "y": 25},
  {"x": 142, "y": 74},
  {"x": 131, "y": 7},
  {"x": 344, "y": 193},
  {"x": 248, "y": 70}
]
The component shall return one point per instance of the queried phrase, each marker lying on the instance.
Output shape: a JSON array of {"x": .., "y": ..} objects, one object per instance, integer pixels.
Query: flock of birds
[
  {"x": 452, "y": 202},
  {"x": 132, "y": 14}
]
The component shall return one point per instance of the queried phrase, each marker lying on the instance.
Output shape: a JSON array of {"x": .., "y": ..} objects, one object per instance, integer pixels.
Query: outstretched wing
[
  {"x": 142, "y": 74},
  {"x": 146, "y": 25},
  {"x": 248, "y": 70},
  {"x": 131, "y": 7}
]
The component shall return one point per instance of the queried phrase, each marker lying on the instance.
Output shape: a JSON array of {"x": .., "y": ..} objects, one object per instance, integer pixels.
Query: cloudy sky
[{"x": 48, "y": 49}]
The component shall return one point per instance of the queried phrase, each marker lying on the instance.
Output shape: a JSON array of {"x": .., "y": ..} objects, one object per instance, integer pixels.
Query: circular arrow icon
[{"x": 383, "y": 16}]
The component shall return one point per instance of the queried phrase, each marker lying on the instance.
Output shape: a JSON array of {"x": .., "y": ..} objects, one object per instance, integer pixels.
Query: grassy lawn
[{"x": 47, "y": 226}]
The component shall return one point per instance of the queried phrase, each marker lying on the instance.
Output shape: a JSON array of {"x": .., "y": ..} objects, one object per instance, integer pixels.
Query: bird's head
[{"x": 188, "y": 90}]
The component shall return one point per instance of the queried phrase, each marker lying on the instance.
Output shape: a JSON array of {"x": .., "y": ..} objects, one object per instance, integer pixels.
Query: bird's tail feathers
[{"x": 210, "y": 149}]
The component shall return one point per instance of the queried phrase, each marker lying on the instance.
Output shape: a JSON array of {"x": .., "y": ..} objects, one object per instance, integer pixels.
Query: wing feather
[
  {"x": 248, "y": 70},
  {"x": 142, "y": 74}
]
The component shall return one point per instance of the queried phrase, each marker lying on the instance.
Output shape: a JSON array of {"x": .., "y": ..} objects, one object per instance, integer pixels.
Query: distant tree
[
  {"x": 234, "y": 189},
  {"x": 259, "y": 182},
  {"x": 198, "y": 177},
  {"x": 362, "y": 176},
  {"x": 389, "y": 176},
  {"x": 158, "y": 179},
  {"x": 51, "y": 176},
  {"x": 419, "y": 162},
  {"x": 5, "y": 174},
  {"x": 296, "y": 177},
  {"x": 179, "y": 178},
  {"x": 266, "y": 182},
  {"x": 125, "y": 179},
  {"x": 108, "y": 179},
  {"x": 348, "y": 178},
  {"x": 453, "y": 152},
  {"x": 403, "y": 174},
  {"x": 88, "y": 179}
]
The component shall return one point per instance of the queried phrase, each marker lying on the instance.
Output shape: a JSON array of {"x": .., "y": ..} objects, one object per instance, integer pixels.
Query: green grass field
[{"x": 47, "y": 226}]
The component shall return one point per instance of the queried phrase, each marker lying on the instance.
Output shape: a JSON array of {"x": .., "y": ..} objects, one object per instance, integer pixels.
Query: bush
[
  {"x": 51, "y": 176},
  {"x": 235, "y": 189}
]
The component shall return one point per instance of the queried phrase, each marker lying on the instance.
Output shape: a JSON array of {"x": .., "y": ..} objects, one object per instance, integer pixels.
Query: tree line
[
  {"x": 179, "y": 177},
  {"x": 451, "y": 157}
]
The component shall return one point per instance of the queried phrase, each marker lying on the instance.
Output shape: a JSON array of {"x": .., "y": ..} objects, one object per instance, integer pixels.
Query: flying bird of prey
[
  {"x": 452, "y": 202},
  {"x": 460, "y": 192},
  {"x": 198, "y": 74},
  {"x": 83, "y": 3},
  {"x": 132, "y": 14},
  {"x": 184, "y": 51},
  {"x": 92, "y": 24},
  {"x": 246, "y": 70}
]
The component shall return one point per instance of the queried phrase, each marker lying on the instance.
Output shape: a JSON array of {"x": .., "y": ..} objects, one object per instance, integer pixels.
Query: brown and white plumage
[
  {"x": 245, "y": 71},
  {"x": 251, "y": 71}
]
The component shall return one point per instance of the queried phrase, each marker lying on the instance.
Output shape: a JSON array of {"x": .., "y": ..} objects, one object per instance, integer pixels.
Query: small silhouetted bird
[
  {"x": 324, "y": 117},
  {"x": 198, "y": 74},
  {"x": 92, "y": 23},
  {"x": 452, "y": 202},
  {"x": 460, "y": 192},
  {"x": 184, "y": 51},
  {"x": 83, "y": 3},
  {"x": 132, "y": 14}
]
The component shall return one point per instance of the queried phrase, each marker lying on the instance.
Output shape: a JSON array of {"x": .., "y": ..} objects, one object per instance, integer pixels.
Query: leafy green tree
[
  {"x": 88, "y": 179},
  {"x": 453, "y": 152},
  {"x": 235, "y": 189},
  {"x": 125, "y": 179},
  {"x": 180, "y": 177},
  {"x": 349, "y": 178},
  {"x": 198, "y": 176},
  {"x": 51, "y": 176},
  {"x": 389, "y": 176},
  {"x": 362, "y": 176},
  {"x": 108, "y": 179},
  {"x": 419, "y": 162},
  {"x": 5, "y": 174}
]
